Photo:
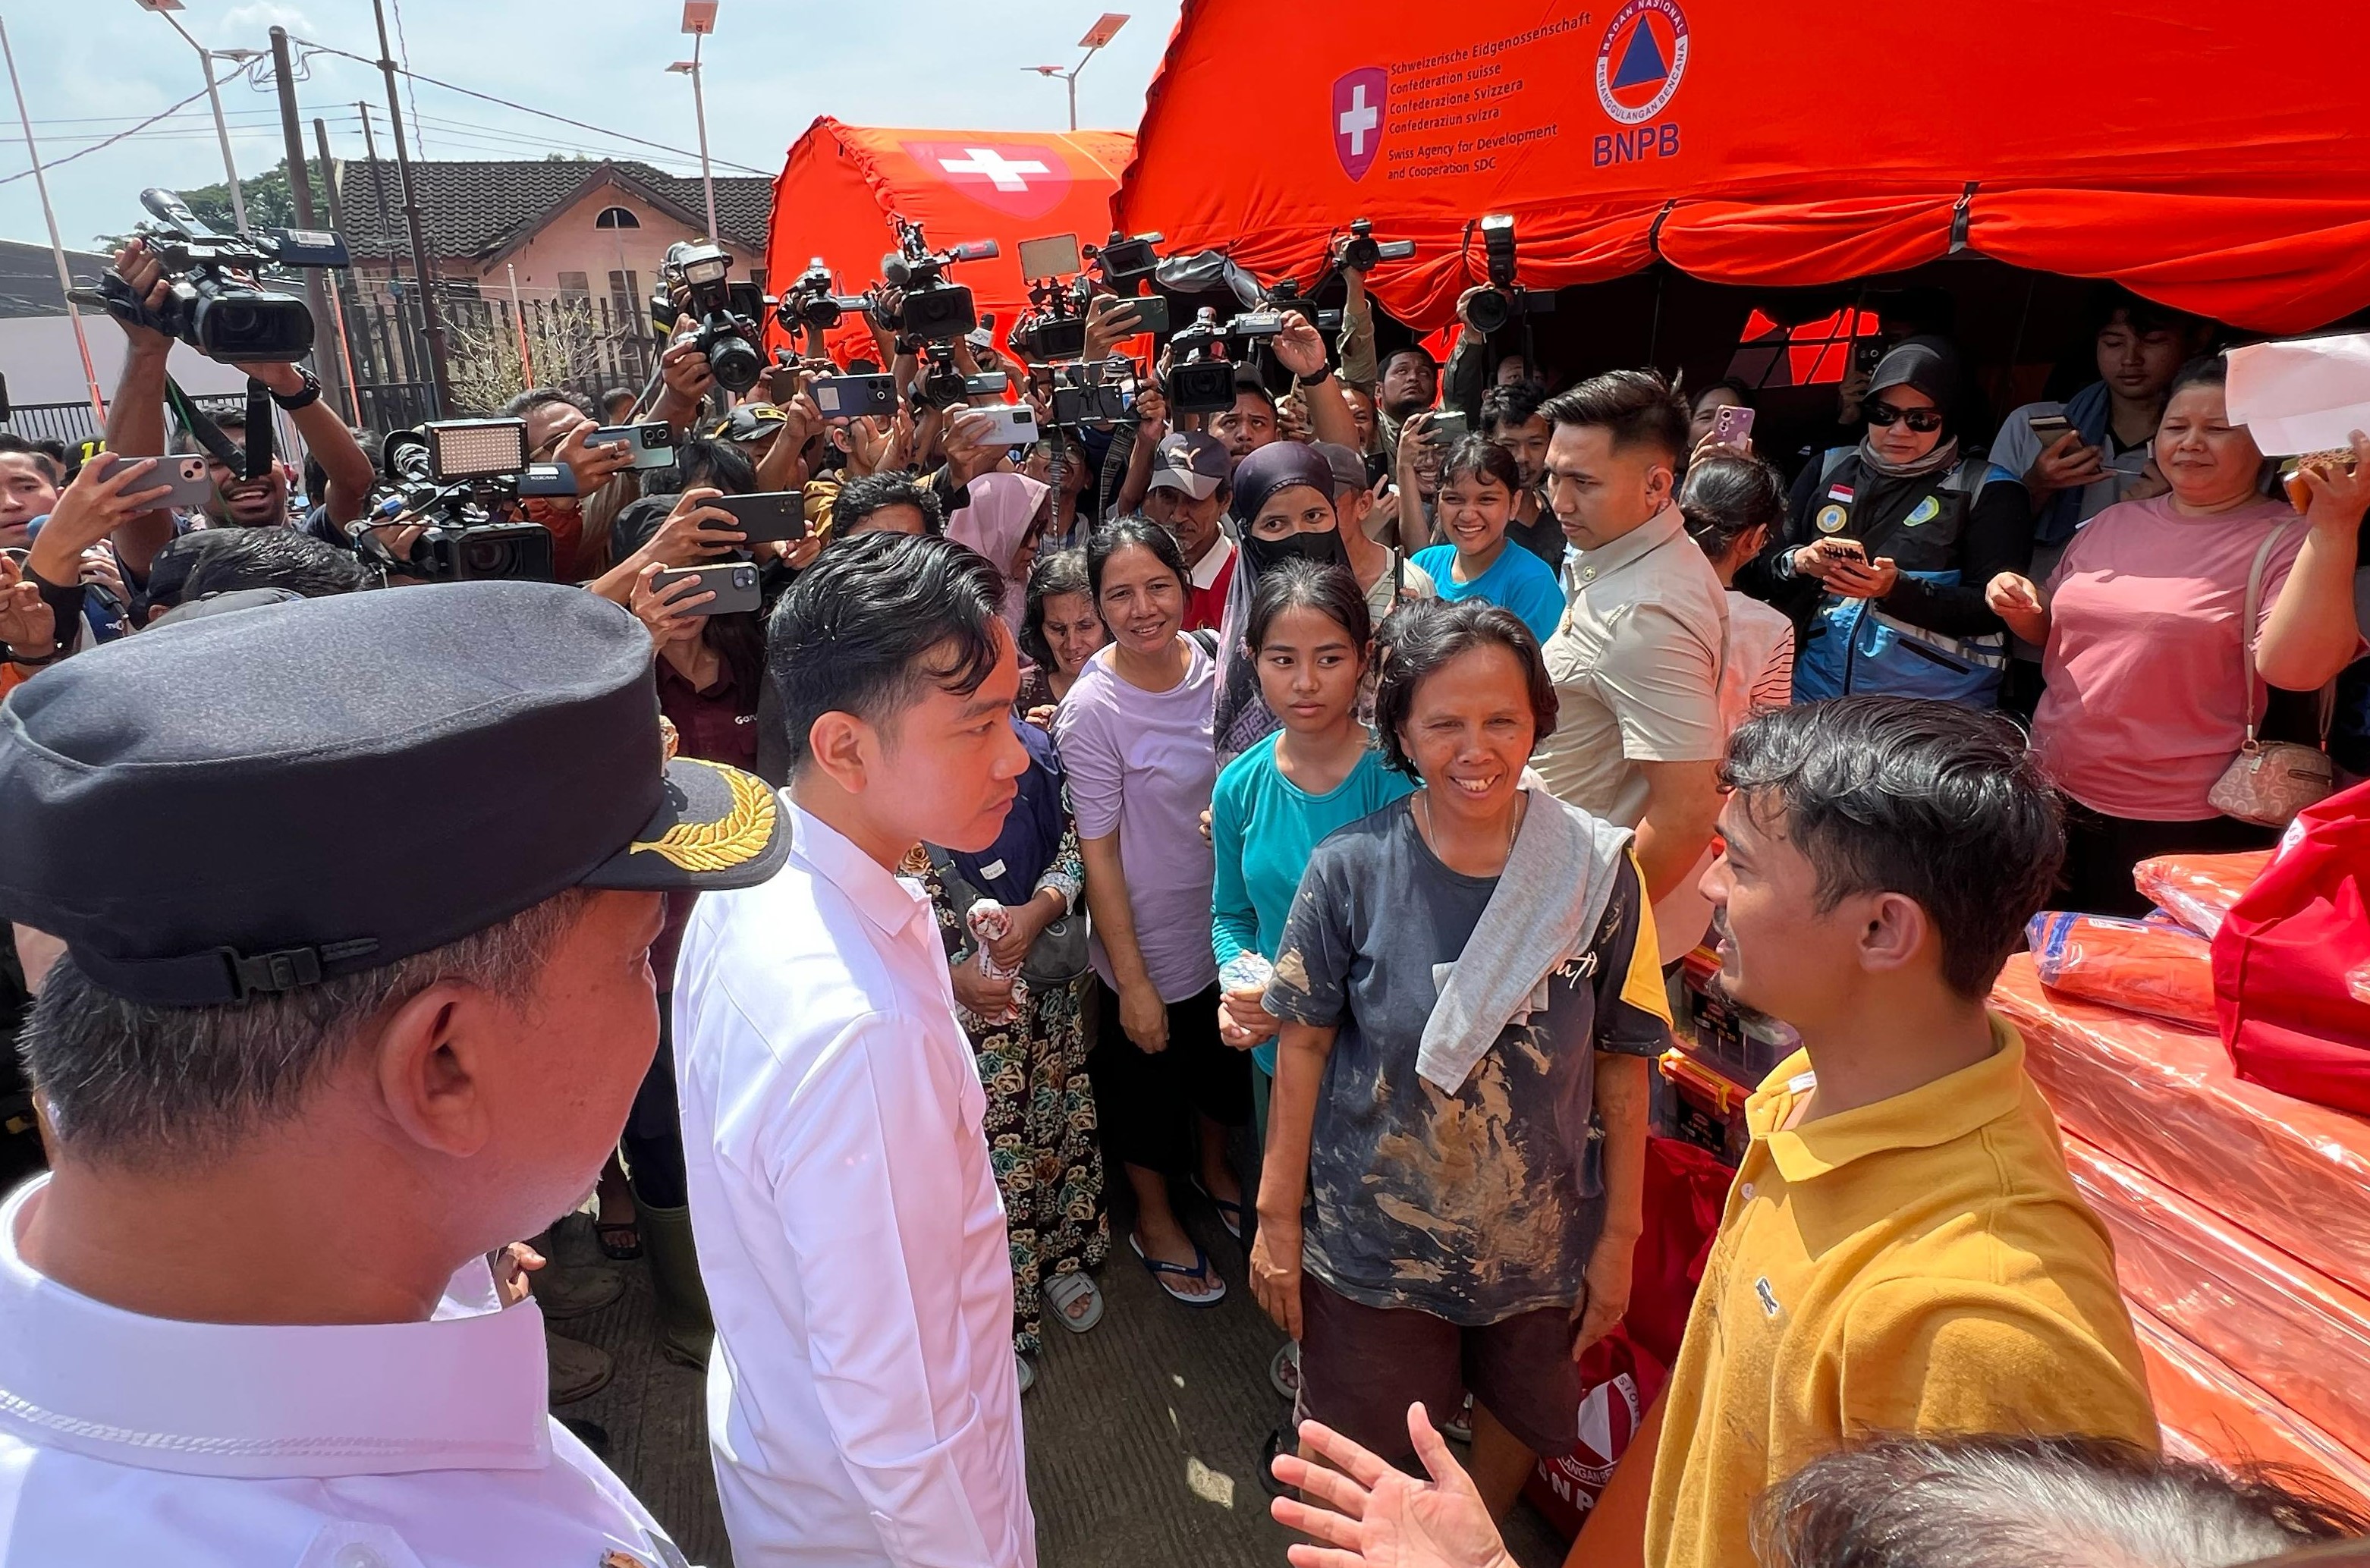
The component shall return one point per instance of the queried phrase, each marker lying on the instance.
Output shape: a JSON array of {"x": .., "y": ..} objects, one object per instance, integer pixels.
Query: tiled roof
[{"x": 471, "y": 208}]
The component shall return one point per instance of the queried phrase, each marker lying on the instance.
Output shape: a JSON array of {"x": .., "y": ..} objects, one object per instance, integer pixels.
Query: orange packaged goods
[
  {"x": 2198, "y": 890},
  {"x": 2159, "y": 970},
  {"x": 2210, "y": 1413},
  {"x": 2283, "y": 1325},
  {"x": 2167, "y": 1101}
]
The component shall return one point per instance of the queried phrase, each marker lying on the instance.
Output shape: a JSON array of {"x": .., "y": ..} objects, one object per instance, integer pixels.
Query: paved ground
[{"x": 1143, "y": 1435}]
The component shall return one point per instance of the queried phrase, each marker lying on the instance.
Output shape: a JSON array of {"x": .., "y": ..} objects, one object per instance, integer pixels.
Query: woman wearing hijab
[
  {"x": 1284, "y": 504},
  {"x": 1888, "y": 544},
  {"x": 1003, "y": 520}
]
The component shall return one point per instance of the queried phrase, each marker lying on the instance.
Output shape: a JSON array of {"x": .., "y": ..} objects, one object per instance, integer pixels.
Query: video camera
[
  {"x": 696, "y": 280},
  {"x": 216, "y": 303},
  {"x": 811, "y": 303},
  {"x": 1124, "y": 262},
  {"x": 1360, "y": 251},
  {"x": 1202, "y": 382},
  {"x": 463, "y": 476},
  {"x": 930, "y": 308},
  {"x": 1097, "y": 395},
  {"x": 1492, "y": 309}
]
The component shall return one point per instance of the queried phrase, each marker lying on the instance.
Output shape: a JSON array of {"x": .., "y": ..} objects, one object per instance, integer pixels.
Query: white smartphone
[{"x": 1009, "y": 424}]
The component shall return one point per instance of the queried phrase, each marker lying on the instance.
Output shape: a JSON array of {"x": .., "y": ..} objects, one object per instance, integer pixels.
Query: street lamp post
[
  {"x": 1106, "y": 28},
  {"x": 206, "y": 58},
  {"x": 699, "y": 21}
]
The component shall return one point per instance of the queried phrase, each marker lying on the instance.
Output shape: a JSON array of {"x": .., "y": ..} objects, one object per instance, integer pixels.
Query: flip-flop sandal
[
  {"x": 1028, "y": 1374},
  {"x": 616, "y": 1251},
  {"x": 1283, "y": 1372},
  {"x": 1063, "y": 1291},
  {"x": 1200, "y": 1270},
  {"x": 1280, "y": 1440},
  {"x": 1229, "y": 1214}
]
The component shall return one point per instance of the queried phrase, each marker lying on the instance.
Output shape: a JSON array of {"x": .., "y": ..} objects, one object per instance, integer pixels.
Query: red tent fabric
[
  {"x": 2206, "y": 157},
  {"x": 842, "y": 182}
]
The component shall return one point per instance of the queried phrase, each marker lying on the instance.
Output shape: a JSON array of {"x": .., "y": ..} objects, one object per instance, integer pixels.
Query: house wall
[{"x": 571, "y": 243}]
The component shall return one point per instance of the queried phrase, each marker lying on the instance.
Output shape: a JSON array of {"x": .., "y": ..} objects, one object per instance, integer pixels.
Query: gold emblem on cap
[{"x": 719, "y": 846}]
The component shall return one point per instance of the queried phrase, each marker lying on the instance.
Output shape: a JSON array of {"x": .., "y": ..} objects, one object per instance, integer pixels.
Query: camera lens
[
  {"x": 1488, "y": 312},
  {"x": 736, "y": 365}
]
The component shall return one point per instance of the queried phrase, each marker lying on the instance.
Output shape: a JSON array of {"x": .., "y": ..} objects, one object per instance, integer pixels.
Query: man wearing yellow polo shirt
[{"x": 1903, "y": 1251}]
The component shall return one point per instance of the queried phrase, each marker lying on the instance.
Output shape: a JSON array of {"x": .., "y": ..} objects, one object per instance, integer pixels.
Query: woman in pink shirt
[{"x": 2146, "y": 701}]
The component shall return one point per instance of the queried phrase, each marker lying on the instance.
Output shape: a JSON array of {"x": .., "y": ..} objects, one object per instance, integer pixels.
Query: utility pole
[
  {"x": 699, "y": 21},
  {"x": 1106, "y": 28},
  {"x": 166, "y": 8},
  {"x": 431, "y": 313},
  {"x": 57, "y": 250},
  {"x": 338, "y": 285},
  {"x": 300, "y": 191}
]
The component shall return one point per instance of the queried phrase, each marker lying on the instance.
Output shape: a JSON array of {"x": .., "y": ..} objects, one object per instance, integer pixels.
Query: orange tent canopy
[
  {"x": 2206, "y": 156},
  {"x": 842, "y": 182}
]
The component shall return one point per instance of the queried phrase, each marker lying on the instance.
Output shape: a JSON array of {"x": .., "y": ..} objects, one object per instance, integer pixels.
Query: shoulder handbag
[
  {"x": 1058, "y": 955},
  {"x": 2270, "y": 781}
]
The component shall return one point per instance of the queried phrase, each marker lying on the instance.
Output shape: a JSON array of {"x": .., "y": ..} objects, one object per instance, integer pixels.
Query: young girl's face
[
  {"x": 1474, "y": 511},
  {"x": 1308, "y": 670}
]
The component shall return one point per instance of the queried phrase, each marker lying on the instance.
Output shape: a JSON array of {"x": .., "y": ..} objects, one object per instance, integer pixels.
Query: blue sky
[{"x": 93, "y": 68}]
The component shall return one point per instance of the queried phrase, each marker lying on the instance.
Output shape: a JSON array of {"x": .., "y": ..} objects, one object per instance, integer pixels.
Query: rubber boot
[{"x": 686, "y": 1334}]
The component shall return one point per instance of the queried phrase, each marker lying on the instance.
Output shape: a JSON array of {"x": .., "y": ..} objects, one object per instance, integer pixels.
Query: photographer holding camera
[{"x": 135, "y": 428}]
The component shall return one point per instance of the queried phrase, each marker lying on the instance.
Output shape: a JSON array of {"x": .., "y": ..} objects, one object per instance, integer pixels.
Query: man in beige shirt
[{"x": 1635, "y": 659}]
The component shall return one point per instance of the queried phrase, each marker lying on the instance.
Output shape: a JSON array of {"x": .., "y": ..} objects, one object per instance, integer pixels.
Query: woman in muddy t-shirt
[{"x": 1423, "y": 1243}]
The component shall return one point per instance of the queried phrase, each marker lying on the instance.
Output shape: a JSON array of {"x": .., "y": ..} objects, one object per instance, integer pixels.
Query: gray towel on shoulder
[{"x": 1557, "y": 883}]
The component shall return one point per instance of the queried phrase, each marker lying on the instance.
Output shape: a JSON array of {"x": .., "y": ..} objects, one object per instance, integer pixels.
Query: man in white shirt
[
  {"x": 864, "y": 1403},
  {"x": 302, "y": 1070}
]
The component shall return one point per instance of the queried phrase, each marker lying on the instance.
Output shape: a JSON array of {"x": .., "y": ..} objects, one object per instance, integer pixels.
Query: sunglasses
[{"x": 1923, "y": 421}]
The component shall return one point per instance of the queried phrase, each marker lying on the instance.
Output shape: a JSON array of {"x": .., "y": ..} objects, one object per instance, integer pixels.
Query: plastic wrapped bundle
[
  {"x": 2210, "y": 1413},
  {"x": 2281, "y": 1324},
  {"x": 2167, "y": 1101},
  {"x": 2198, "y": 890},
  {"x": 2141, "y": 966}
]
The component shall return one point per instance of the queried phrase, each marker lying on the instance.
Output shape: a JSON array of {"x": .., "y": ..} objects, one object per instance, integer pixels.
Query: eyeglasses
[{"x": 1923, "y": 421}]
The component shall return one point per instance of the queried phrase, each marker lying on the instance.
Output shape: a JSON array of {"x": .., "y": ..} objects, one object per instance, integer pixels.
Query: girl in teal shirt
[{"x": 1309, "y": 634}]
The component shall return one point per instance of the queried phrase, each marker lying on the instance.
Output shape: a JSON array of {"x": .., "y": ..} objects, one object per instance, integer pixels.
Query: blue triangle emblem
[{"x": 1642, "y": 61}]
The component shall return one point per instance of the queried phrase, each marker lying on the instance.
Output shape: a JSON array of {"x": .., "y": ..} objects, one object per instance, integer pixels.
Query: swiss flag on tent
[{"x": 842, "y": 183}]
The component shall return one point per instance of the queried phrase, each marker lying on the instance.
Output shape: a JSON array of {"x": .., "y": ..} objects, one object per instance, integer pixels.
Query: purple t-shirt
[{"x": 1140, "y": 763}]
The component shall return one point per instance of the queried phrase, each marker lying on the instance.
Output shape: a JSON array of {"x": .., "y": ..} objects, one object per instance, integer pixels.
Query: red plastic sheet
[
  {"x": 2208, "y": 1412},
  {"x": 2283, "y": 1325},
  {"x": 2166, "y": 971},
  {"x": 2214, "y": 167},
  {"x": 2166, "y": 1100},
  {"x": 2198, "y": 890}
]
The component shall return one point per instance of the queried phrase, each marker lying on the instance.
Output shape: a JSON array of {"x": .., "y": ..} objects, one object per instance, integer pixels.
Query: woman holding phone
[{"x": 1888, "y": 544}]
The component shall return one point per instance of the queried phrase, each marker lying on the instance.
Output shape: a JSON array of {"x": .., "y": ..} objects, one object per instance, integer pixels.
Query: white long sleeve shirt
[
  {"x": 864, "y": 1404},
  {"x": 126, "y": 1440}
]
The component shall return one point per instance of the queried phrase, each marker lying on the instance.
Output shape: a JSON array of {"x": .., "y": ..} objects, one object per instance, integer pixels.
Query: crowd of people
[{"x": 1305, "y": 778}]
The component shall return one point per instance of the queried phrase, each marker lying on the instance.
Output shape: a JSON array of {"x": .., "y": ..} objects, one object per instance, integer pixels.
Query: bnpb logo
[{"x": 1643, "y": 58}]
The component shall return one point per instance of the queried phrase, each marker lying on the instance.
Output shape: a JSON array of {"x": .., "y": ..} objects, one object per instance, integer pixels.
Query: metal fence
[{"x": 493, "y": 349}]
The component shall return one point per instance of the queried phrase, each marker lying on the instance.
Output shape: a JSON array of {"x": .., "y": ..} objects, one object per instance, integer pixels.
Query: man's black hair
[
  {"x": 1637, "y": 407},
  {"x": 272, "y": 557},
  {"x": 1937, "y": 802},
  {"x": 704, "y": 460},
  {"x": 1512, "y": 406},
  {"x": 876, "y": 620},
  {"x": 860, "y": 497},
  {"x": 2108, "y": 300},
  {"x": 49, "y": 462},
  {"x": 534, "y": 398},
  {"x": 1417, "y": 348},
  {"x": 176, "y": 559},
  {"x": 1425, "y": 637},
  {"x": 316, "y": 477}
]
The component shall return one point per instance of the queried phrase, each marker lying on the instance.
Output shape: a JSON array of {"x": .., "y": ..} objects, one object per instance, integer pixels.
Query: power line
[
  {"x": 85, "y": 152},
  {"x": 524, "y": 109}
]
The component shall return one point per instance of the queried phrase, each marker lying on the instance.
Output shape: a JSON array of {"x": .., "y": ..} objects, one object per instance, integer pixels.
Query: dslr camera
[
  {"x": 696, "y": 280},
  {"x": 931, "y": 307},
  {"x": 463, "y": 477},
  {"x": 1503, "y": 300},
  {"x": 217, "y": 305}
]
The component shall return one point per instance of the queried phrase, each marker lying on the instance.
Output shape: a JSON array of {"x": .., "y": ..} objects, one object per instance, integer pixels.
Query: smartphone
[
  {"x": 2049, "y": 428},
  {"x": 733, "y": 582},
  {"x": 1009, "y": 424},
  {"x": 1054, "y": 257},
  {"x": 849, "y": 396},
  {"x": 781, "y": 383},
  {"x": 653, "y": 442},
  {"x": 1732, "y": 426},
  {"x": 1151, "y": 313},
  {"x": 1449, "y": 426},
  {"x": 1850, "y": 548},
  {"x": 1867, "y": 354},
  {"x": 777, "y": 515},
  {"x": 185, "y": 476}
]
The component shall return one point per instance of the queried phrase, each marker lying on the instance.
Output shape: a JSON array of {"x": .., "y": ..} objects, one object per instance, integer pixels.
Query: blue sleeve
[
  {"x": 1234, "y": 924},
  {"x": 1538, "y": 601}
]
